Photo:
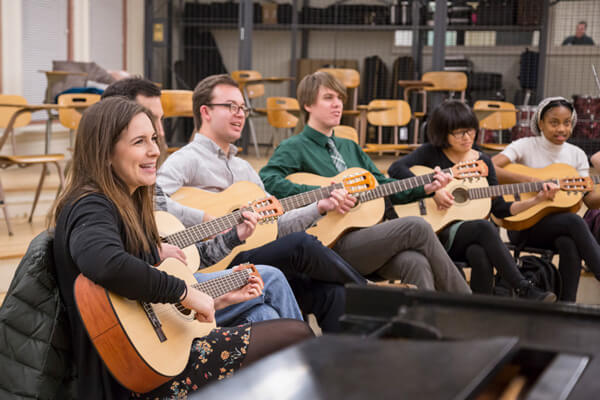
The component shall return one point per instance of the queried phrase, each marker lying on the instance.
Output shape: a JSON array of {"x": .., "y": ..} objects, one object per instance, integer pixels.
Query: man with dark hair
[
  {"x": 404, "y": 248},
  {"x": 580, "y": 38},
  {"x": 209, "y": 162},
  {"x": 277, "y": 300}
]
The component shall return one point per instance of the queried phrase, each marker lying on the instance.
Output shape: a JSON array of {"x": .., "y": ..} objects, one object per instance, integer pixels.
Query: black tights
[
  {"x": 270, "y": 336},
  {"x": 567, "y": 234},
  {"x": 477, "y": 242}
]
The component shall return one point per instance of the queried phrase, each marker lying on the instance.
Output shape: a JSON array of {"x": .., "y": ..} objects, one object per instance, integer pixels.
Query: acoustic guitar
[
  {"x": 172, "y": 231},
  {"x": 234, "y": 197},
  {"x": 564, "y": 201},
  {"x": 370, "y": 206},
  {"x": 145, "y": 344},
  {"x": 472, "y": 198}
]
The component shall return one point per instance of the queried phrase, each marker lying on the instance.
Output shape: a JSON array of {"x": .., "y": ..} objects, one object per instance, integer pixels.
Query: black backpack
[{"x": 538, "y": 270}]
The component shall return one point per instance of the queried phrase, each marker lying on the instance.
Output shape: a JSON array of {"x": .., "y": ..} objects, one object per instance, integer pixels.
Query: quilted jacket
[{"x": 34, "y": 331}]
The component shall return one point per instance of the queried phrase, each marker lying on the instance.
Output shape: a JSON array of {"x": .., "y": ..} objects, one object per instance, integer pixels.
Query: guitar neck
[
  {"x": 197, "y": 233},
  {"x": 219, "y": 286},
  {"x": 300, "y": 200},
  {"x": 390, "y": 188},
  {"x": 513, "y": 188},
  {"x": 595, "y": 179}
]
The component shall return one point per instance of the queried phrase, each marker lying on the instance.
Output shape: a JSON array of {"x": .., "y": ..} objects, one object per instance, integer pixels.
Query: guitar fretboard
[
  {"x": 196, "y": 233},
  {"x": 219, "y": 286},
  {"x": 306, "y": 198},
  {"x": 513, "y": 188},
  {"x": 398, "y": 186}
]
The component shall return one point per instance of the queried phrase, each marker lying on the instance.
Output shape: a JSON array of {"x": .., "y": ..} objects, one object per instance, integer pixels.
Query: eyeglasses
[
  {"x": 461, "y": 134},
  {"x": 234, "y": 108}
]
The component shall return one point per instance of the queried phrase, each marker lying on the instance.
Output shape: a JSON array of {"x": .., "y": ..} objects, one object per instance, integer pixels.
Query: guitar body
[
  {"x": 332, "y": 226},
  {"x": 563, "y": 202},
  {"x": 217, "y": 204},
  {"x": 168, "y": 224},
  {"x": 126, "y": 340},
  {"x": 463, "y": 208}
]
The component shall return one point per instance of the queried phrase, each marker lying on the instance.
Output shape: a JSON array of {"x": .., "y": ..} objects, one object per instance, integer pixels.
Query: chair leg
[
  {"x": 253, "y": 135},
  {"x": 38, "y": 191},
  {"x": 5, "y": 210},
  {"x": 416, "y": 132},
  {"x": 379, "y": 137}
]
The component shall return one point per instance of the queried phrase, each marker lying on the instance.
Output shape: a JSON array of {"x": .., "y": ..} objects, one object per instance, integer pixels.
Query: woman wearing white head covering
[{"x": 566, "y": 232}]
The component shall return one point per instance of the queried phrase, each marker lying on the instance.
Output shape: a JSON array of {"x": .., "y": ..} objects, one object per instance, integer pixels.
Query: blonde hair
[{"x": 308, "y": 89}]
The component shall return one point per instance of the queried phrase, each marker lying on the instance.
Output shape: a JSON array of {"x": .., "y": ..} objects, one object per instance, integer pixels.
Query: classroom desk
[{"x": 23, "y": 108}]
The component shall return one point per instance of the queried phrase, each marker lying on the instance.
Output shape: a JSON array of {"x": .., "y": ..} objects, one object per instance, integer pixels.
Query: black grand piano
[{"x": 409, "y": 344}]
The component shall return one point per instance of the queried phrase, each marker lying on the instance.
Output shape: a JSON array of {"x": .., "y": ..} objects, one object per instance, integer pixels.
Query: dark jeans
[
  {"x": 567, "y": 234},
  {"x": 303, "y": 254},
  {"x": 315, "y": 273}
]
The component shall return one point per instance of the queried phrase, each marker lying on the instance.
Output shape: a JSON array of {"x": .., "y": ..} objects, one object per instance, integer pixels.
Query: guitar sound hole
[
  {"x": 460, "y": 195},
  {"x": 185, "y": 311}
]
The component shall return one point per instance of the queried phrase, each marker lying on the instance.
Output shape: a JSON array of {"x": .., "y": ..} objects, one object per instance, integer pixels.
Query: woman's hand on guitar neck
[
  {"x": 251, "y": 290},
  {"x": 201, "y": 303},
  {"x": 547, "y": 193},
  {"x": 440, "y": 180},
  {"x": 339, "y": 200},
  {"x": 246, "y": 228}
]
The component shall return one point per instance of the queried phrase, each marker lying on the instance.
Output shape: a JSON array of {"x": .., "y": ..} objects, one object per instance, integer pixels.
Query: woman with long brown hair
[{"x": 104, "y": 229}]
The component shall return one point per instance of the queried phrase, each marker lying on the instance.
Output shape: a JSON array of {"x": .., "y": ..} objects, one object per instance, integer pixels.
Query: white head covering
[{"x": 538, "y": 112}]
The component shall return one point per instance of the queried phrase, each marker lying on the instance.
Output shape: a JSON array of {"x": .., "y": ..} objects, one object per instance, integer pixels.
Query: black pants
[
  {"x": 315, "y": 272},
  {"x": 478, "y": 243},
  {"x": 567, "y": 234}
]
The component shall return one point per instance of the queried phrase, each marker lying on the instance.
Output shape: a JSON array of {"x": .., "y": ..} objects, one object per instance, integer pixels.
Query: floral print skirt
[{"x": 213, "y": 357}]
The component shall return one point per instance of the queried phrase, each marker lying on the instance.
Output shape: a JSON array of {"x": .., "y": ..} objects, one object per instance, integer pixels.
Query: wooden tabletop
[
  {"x": 264, "y": 80},
  {"x": 63, "y": 72},
  {"x": 415, "y": 84}
]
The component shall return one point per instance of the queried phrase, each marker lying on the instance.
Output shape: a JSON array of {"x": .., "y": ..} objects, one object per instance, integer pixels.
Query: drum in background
[
  {"x": 524, "y": 117},
  {"x": 588, "y": 117},
  {"x": 589, "y": 129},
  {"x": 587, "y": 107}
]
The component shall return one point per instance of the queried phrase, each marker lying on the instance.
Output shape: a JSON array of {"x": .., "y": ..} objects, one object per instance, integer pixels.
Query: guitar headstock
[
  {"x": 268, "y": 209},
  {"x": 576, "y": 184},
  {"x": 359, "y": 182},
  {"x": 470, "y": 169},
  {"x": 252, "y": 271}
]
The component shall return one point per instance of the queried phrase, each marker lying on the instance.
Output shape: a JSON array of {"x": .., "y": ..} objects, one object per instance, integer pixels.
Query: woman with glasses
[
  {"x": 452, "y": 130},
  {"x": 566, "y": 232}
]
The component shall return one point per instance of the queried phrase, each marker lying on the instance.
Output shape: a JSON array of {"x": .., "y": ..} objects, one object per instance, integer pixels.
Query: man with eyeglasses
[{"x": 209, "y": 162}]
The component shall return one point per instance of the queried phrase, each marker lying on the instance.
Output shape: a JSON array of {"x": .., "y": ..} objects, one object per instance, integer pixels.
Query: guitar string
[
  {"x": 199, "y": 232},
  {"x": 214, "y": 288}
]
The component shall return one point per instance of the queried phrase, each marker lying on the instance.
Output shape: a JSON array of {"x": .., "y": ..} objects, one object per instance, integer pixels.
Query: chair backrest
[
  {"x": 277, "y": 112},
  {"x": 347, "y": 76},
  {"x": 7, "y": 112},
  {"x": 496, "y": 120},
  {"x": 390, "y": 113},
  {"x": 346, "y": 132},
  {"x": 176, "y": 103},
  {"x": 451, "y": 81},
  {"x": 253, "y": 91},
  {"x": 70, "y": 117}
]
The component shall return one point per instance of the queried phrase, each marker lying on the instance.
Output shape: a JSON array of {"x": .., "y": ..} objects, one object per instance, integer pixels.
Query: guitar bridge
[
  {"x": 154, "y": 321},
  {"x": 422, "y": 207}
]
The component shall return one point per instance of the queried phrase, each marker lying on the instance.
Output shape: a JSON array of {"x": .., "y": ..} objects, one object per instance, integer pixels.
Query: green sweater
[{"x": 307, "y": 152}]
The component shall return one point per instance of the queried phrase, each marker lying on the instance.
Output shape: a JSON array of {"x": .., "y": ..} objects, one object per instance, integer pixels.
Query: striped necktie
[{"x": 335, "y": 155}]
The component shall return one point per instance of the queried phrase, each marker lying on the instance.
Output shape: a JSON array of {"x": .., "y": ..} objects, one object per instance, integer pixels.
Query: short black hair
[
  {"x": 448, "y": 116},
  {"x": 131, "y": 88}
]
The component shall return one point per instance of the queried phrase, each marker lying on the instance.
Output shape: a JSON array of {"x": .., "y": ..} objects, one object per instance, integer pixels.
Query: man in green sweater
[{"x": 403, "y": 248}]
